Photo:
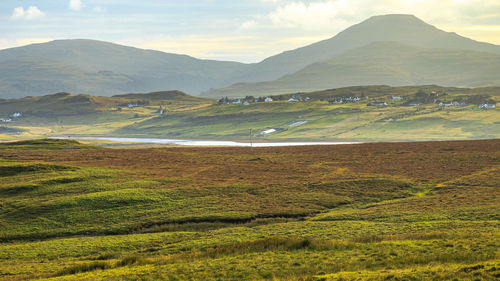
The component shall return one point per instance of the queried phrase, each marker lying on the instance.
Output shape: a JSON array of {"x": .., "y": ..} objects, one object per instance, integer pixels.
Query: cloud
[
  {"x": 314, "y": 15},
  {"x": 320, "y": 14},
  {"x": 99, "y": 9},
  {"x": 75, "y": 5},
  {"x": 30, "y": 13}
]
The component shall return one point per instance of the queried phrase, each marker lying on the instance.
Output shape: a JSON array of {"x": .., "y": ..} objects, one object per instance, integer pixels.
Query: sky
[{"x": 241, "y": 30}]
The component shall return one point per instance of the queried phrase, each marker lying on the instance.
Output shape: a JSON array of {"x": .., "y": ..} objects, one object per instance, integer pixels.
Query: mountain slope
[
  {"x": 378, "y": 63},
  {"x": 406, "y": 29},
  {"x": 101, "y": 68},
  {"x": 68, "y": 65},
  {"x": 65, "y": 104}
]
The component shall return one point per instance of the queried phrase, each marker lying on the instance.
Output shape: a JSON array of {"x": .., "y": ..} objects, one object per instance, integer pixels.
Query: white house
[
  {"x": 397, "y": 98},
  {"x": 292, "y": 100},
  {"x": 132, "y": 105},
  {"x": 268, "y": 131},
  {"x": 238, "y": 101},
  {"x": 245, "y": 103},
  {"x": 446, "y": 104},
  {"x": 5, "y": 120},
  {"x": 268, "y": 99},
  {"x": 487, "y": 106}
]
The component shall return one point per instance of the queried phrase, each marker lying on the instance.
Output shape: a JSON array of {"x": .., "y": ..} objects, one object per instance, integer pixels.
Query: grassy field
[
  {"x": 375, "y": 211},
  {"x": 318, "y": 118}
]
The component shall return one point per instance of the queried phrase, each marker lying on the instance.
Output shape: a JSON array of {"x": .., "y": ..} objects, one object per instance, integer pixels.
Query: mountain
[
  {"x": 391, "y": 63},
  {"x": 106, "y": 69},
  {"x": 406, "y": 29},
  {"x": 101, "y": 68}
]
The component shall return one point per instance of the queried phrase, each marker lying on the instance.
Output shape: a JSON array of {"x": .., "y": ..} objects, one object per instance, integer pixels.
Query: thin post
[{"x": 251, "y": 144}]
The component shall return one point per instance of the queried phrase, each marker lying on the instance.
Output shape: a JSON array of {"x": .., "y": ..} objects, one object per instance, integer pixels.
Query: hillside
[
  {"x": 102, "y": 68},
  {"x": 378, "y": 211},
  {"x": 405, "y": 29},
  {"x": 414, "y": 115},
  {"x": 106, "y": 69},
  {"x": 377, "y": 63},
  {"x": 66, "y": 104},
  {"x": 320, "y": 118}
]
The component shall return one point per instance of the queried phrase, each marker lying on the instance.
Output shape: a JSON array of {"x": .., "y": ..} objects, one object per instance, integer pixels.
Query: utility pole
[{"x": 251, "y": 145}]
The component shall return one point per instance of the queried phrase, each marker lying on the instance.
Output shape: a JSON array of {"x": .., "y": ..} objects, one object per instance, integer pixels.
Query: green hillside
[
  {"x": 415, "y": 115},
  {"x": 382, "y": 211},
  {"x": 320, "y": 119},
  {"x": 388, "y": 63}
]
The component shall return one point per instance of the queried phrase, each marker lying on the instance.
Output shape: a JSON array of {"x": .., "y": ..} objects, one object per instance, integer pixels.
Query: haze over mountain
[
  {"x": 382, "y": 63},
  {"x": 406, "y": 29},
  {"x": 100, "y": 68}
]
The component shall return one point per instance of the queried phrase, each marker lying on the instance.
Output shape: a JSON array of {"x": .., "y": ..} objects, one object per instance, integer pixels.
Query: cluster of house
[
  {"x": 342, "y": 100},
  {"x": 453, "y": 103},
  {"x": 130, "y": 105},
  {"x": 8, "y": 120},
  {"x": 297, "y": 97},
  {"x": 247, "y": 101}
]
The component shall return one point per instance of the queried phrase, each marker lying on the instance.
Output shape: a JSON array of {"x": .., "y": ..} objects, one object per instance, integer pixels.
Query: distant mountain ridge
[
  {"x": 102, "y": 68},
  {"x": 406, "y": 29},
  {"x": 389, "y": 63}
]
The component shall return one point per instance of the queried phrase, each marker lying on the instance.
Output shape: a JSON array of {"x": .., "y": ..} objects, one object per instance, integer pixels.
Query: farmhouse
[
  {"x": 268, "y": 99},
  {"x": 487, "y": 106},
  {"x": 5, "y": 120},
  {"x": 16, "y": 114}
]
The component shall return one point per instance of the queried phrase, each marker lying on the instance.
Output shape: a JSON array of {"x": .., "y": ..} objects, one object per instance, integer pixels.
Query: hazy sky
[{"x": 241, "y": 30}]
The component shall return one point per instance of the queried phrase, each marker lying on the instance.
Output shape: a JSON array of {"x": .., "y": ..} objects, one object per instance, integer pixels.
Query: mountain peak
[
  {"x": 395, "y": 17},
  {"x": 395, "y": 26}
]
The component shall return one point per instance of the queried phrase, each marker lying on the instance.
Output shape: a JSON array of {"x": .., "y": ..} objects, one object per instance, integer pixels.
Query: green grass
[
  {"x": 192, "y": 117},
  {"x": 46, "y": 144},
  {"x": 358, "y": 212}
]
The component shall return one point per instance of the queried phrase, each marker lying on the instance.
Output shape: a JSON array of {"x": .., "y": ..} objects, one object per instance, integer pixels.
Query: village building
[
  {"x": 487, "y": 106},
  {"x": 268, "y": 131}
]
